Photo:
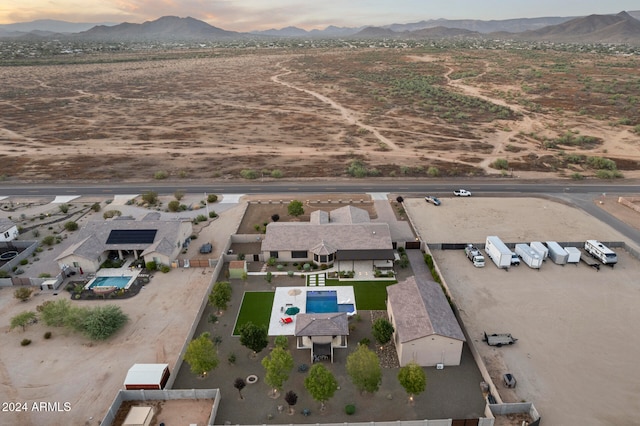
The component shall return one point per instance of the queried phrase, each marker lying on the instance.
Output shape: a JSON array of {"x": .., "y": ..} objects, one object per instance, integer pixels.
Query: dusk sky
[{"x": 245, "y": 15}]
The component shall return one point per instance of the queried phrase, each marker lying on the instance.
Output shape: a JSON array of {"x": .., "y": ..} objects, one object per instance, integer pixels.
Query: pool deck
[{"x": 286, "y": 297}]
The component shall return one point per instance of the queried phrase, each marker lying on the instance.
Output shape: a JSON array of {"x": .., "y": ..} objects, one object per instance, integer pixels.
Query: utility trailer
[
  {"x": 588, "y": 260},
  {"x": 541, "y": 249},
  {"x": 529, "y": 255},
  {"x": 498, "y": 252},
  {"x": 557, "y": 253},
  {"x": 574, "y": 254},
  {"x": 499, "y": 339}
]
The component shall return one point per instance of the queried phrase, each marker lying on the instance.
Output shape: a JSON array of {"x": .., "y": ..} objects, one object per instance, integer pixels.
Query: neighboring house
[
  {"x": 8, "y": 230},
  {"x": 321, "y": 333},
  {"x": 152, "y": 240},
  {"x": 426, "y": 330},
  {"x": 342, "y": 237}
]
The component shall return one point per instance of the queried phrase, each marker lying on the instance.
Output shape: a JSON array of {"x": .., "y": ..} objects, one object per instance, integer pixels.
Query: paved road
[{"x": 483, "y": 187}]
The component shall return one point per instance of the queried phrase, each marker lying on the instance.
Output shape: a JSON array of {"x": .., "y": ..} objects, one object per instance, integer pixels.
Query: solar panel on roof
[{"x": 132, "y": 236}]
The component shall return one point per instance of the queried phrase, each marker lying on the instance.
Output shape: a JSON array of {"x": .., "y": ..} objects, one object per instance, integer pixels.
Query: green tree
[
  {"x": 321, "y": 384},
  {"x": 53, "y": 313},
  {"x": 278, "y": 364},
  {"x": 412, "y": 379},
  {"x": 201, "y": 355},
  {"x": 23, "y": 293},
  {"x": 220, "y": 295},
  {"x": 291, "y": 398},
  {"x": 363, "y": 366},
  {"x": 23, "y": 319},
  {"x": 382, "y": 330},
  {"x": 281, "y": 342},
  {"x": 295, "y": 208},
  {"x": 253, "y": 336},
  {"x": 101, "y": 322}
]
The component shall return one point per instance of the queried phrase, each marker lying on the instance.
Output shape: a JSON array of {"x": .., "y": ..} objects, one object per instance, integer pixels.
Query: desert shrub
[
  {"x": 165, "y": 268},
  {"x": 25, "y": 342},
  {"x": 44, "y": 275},
  {"x": 433, "y": 171},
  {"x": 178, "y": 195},
  {"x": 111, "y": 213},
  {"x": 47, "y": 335},
  {"x": 601, "y": 163},
  {"x": 24, "y": 261},
  {"x": 275, "y": 217},
  {"x": 500, "y": 164},
  {"x": 213, "y": 215},
  {"x": 608, "y": 174},
  {"x": 151, "y": 266},
  {"x": 248, "y": 174},
  {"x": 575, "y": 159},
  {"x": 277, "y": 174},
  {"x": 357, "y": 169},
  {"x": 49, "y": 240},
  {"x": 577, "y": 176},
  {"x": 64, "y": 208},
  {"x": 71, "y": 226},
  {"x": 95, "y": 207},
  {"x": 212, "y": 198},
  {"x": 160, "y": 174},
  {"x": 350, "y": 409},
  {"x": 174, "y": 206},
  {"x": 35, "y": 233},
  {"x": 364, "y": 341},
  {"x": 150, "y": 197}
]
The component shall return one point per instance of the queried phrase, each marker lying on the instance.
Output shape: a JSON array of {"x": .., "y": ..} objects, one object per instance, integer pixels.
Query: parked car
[
  {"x": 206, "y": 248},
  {"x": 433, "y": 200},
  {"x": 462, "y": 193}
]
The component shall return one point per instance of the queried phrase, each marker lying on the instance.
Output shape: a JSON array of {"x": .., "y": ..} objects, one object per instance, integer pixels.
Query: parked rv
[
  {"x": 529, "y": 256},
  {"x": 557, "y": 253},
  {"x": 601, "y": 252},
  {"x": 474, "y": 255},
  {"x": 498, "y": 252}
]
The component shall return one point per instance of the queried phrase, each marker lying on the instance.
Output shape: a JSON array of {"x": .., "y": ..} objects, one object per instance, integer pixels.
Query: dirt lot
[
  {"x": 212, "y": 114},
  {"x": 577, "y": 342}
]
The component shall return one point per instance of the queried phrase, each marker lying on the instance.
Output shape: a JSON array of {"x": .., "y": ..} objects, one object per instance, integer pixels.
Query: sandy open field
[
  {"x": 576, "y": 354},
  {"x": 211, "y": 114}
]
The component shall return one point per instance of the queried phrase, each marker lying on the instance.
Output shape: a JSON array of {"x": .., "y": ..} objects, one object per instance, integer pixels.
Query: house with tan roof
[
  {"x": 341, "y": 237},
  {"x": 426, "y": 330},
  {"x": 8, "y": 230},
  {"x": 321, "y": 333},
  {"x": 150, "y": 239}
]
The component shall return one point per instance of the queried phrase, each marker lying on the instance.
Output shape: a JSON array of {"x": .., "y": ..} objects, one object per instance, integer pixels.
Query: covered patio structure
[{"x": 321, "y": 333}]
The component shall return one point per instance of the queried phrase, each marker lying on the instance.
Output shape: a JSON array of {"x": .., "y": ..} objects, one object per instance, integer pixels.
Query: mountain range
[{"x": 623, "y": 27}]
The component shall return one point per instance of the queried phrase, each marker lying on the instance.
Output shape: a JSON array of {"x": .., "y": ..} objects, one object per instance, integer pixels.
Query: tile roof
[
  {"x": 421, "y": 309},
  {"x": 333, "y": 324},
  {"x": 6, "y": 224}
]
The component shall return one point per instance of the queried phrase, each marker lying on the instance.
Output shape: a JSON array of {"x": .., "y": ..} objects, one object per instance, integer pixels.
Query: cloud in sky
[{"x": 245, "y": 15}]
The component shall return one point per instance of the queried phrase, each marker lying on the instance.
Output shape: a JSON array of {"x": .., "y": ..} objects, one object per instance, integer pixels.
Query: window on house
[
  {"x": 6, "y": 234},
  {"x": 323, "y": 258},
  {"x": 273, "y": 254},
  {"x": 299, "y": 254},
  {"x": 315, "y": 258},
  {"x": 331, "y": 257}
]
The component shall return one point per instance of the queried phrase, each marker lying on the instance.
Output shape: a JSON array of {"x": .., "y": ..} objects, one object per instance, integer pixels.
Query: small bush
[
  {"x": 577, "y": 176},
  {"x": 174, "y": 206},
  {"x": 49, "y": 240},
  {"x": 71, "y": 226},
  {"x": 25, "y": 342},
  {"x": 248, "y": 174},
  {"x": 232, "y": 358},
  {"x": 277, "y": 174},
  {"x": 212, "y": 198},
  {"x": 500, "y": 164},
  {"x": 608, "y": 174},
  {"x": 111, "y": 213},
  {"x": 433, "y": 171},
  {"x": 350, "y": 409},
  {"x": 64, "y": 208},
  {"x": 364, "y": 341},
  {"x": 160, "y": 174},
  {"x": 151, "y": 266},
  {"x": 165, "y": 268},
  {"x": 95, "y": 207},
  {"x": 24, "y": 261},
  {"x": 47, "y": 335}
]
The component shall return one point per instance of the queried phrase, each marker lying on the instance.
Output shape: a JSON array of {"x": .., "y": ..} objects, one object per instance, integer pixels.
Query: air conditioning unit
[{"x": 439, "y": 366}]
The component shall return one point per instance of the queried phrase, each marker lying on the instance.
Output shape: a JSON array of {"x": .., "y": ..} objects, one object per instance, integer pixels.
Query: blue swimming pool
[
  {"x": 120, "y": 282},
  {"x": 326, "y": 301}
]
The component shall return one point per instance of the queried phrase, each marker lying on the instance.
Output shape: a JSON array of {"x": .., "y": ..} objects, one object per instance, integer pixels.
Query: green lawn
[
  {"x": 370, "y": 295},
  {"x": 256, "y": 307}
]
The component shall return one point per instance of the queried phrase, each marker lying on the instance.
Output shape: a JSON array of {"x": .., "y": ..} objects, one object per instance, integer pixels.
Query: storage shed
[
  {"x": 237, "y": 269},
  {"x": 147, "y": 376},
  {"x": 426, "y": 330},
  {"x": 139, "y": 416}
]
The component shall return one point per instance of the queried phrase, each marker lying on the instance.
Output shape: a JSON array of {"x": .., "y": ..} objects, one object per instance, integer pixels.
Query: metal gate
[
  {"x": 452, "y": 246},
  {"x": 20, "y": 281},
  {"x": 465, "y": 422},
  {"x": 412, "y": 245},
  {"x": 199, "y": 263}
]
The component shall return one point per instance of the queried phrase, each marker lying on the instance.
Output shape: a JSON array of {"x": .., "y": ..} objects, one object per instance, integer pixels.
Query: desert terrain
[{"x": 282, "y": 113}]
